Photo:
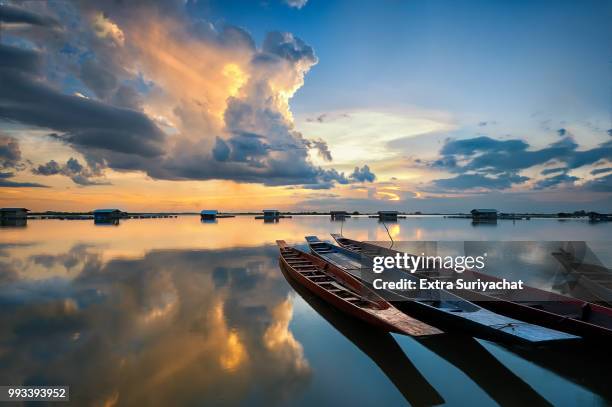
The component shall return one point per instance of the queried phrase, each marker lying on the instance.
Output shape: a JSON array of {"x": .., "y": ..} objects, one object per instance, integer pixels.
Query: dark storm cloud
[
  {"x": 98, "y": 78},
  {"x": 10, "y": 159},
  {"x": 602, "y": 184},
  {"x": 88, "y": 123},
  {"x": 19, "y": 60},
  {"x": 497, "y": 163},
  {"x": 10, "y": 153},
  {"x": 555, "y": 181},
  {"x": 362, "y": 174},
  {"x": 601, "y": 170},
  {"x": 288, "y": 47},
  {"x": 321, "y": 146},
  {"x": 73, "y": 169},
  {"x": 12, "y": 14},
  {"x": 471, "y": 181},
  {"x": 549, "y": 171},
  {"x": 6, "y": 182},
  {"x": 258, "y": 143}
]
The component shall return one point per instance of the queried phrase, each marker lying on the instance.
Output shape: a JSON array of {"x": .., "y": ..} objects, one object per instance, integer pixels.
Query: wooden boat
[
  {"x": 343, "y": 291},
  {"x": 552, "y": 310},
  {"x": 595, "y": 279},
  {"x": 463, "y": 352},
  {"x": 379, "y": 346},
  {"x": 441, "y": 305}
]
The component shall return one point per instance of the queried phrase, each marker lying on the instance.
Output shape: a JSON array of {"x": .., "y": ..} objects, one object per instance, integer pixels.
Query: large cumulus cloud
[{"x": 168, "y": 95}]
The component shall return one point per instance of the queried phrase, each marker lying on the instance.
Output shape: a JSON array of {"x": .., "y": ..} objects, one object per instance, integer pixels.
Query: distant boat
[
  {"x": 441, "y": 305},
  {"x": 346, "y": 293},
  {"x": 596, "y": 279},
  {"x": 531, "y": 304}
]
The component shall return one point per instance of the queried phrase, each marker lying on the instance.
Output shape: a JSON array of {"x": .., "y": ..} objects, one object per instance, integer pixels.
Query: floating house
[
  {"x": 338, "y": 215},
  {"x": 271, "y": 214},
  {"x": 209, "y": 214},
  {"x": 13, "y": 213},
  {"x": 108, "y": 215},
  {"x": 484, "y": 214},
  {"x": 13, "y": 216},
  {"x": 387, "y": 215}
]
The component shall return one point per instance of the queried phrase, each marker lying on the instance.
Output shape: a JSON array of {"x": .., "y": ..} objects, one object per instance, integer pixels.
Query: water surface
[{"x": 175, "y": 311}]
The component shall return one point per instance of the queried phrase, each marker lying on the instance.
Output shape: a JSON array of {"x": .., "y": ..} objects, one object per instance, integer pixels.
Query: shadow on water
[
  {"x": 587, "y": 368},
  {"x": 585, "y": 365},
  {"x": 380, "y": 346}
]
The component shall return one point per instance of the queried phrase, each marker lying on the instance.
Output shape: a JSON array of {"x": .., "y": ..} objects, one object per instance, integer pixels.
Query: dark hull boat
[
  {"x": 595, "y": 280},
  {"x": 448, "y": 309},
  {"x": 346, "y": 293},
  {"x": 552, "y": 310}
]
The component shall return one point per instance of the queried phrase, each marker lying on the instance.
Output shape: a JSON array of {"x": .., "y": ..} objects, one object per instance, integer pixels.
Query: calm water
[{"x": 174, "y": 311}]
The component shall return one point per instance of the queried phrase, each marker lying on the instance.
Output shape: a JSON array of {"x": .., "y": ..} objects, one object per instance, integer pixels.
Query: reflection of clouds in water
[
  {"x": 278, "y": 337},
  {"x": 170, "y": 328}
]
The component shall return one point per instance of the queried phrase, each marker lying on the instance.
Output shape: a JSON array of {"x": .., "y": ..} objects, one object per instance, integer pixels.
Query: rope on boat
[
  {"x": 506, "y": 325},
  {"x": 389, "y": 233}
]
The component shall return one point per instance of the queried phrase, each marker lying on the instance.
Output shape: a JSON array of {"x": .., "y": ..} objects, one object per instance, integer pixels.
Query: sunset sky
[{"x": 306, "y": 105}]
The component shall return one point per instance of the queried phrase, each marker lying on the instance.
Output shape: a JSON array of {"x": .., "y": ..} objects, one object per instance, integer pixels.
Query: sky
[{"x": 437, "y": 106}]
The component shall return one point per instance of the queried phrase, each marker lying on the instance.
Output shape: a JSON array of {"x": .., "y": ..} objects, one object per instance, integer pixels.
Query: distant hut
[
  {"x": 108, "y": 215},
  {"x": 14, "y": 213},
  {"x": 338, "y": 215},
  {"x": 13, "y": 216},
  {"x": 271, "y": 214},
  {"x": 599, "y": 217},
  {"x": 388, "y": 215},
  {"x": 209, "y": 214},
  {"x": 484, "y": 214}
]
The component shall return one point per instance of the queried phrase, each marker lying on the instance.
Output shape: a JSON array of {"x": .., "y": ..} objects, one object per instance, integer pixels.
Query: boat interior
[{"x": 321, "y": 278}]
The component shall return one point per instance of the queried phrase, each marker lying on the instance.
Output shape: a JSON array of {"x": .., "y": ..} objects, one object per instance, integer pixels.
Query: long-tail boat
[
  {"x": 346, "y": 293},
  {"x": 438, "y": 304},
  {"x": 380, "y": 346},
  {"x": 552, "y": 310}
]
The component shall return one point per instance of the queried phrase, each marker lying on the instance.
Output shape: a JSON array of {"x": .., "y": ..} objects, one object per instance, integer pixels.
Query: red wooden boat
[
  {"x": 533, "y": 305},
  {"x": 346, "y": 293}
]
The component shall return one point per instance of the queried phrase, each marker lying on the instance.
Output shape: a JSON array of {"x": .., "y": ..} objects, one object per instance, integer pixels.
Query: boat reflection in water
[
  {"x": 379, "y": 346},
  {"x": 174, "y": 312},
  {"x": 464, "y": 352}
]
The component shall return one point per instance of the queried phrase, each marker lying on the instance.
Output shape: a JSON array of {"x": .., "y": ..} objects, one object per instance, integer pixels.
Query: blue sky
[
  {"x": 497, "y": 59},
  {"x": 405, "y": 105}
]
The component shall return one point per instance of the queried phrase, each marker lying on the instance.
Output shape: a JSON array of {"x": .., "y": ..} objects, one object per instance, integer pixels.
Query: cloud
[
  {"x": 601, "y": 170},
  {"x": 322, "y": 148},
  {"x": 10, "y": 153},
  {"x": 472, "y": 181},
  {"x": 296, "y": 3},
  {"x": 363, "y": 175},
  {"x": 10, "y": 159},
  {"x": 609, "y": 132},
  {"x": 11, "y": 14},
  {"x": 6, "y": 182},
  {"x": 86, "y": 123},
  {"x": 73, "y": 169},
  {"x": 223, "y": 102},
  {"x": 555, "y": 181},
  {"x": 496, "y": 164},
  {"x": 601, "y": 184},
  {"x": 548, "y": 171}
]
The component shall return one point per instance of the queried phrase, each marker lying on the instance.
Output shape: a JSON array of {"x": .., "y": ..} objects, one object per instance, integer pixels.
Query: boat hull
[{"x": 530, "y": 314}]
